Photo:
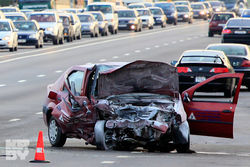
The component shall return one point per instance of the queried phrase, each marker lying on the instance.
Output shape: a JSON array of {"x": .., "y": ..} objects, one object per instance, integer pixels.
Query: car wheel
[
  {"x": 68, "y": 39},
  {"x": 15, "y": 49},
  {"x": 11, "y": 49},
  {"x": 56, "y": 137},
  {"x": 210, "y": 34},
  {"x": 116, "y": 31},
  {"x": 103, "y": 136},
  {"x": 151, "y": 27},
  {"x": 37, "y": 45},
  {"x": 61, "y": 41},
  {"x": 184, "y": 148},
  {"x": 56, "y": 41},
  {"x": 175, "y": 22},
  {"x": 190, "y": 21},
  {"x": 74, "y": 37}
]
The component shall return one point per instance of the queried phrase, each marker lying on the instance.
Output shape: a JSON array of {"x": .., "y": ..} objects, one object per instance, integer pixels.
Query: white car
[
  {"x": 109, "y": 10},
  {"x": 8, "y": 35},
  {"x": 76, "y": 25},
  {"x": 16, "y": 16},
  {"x": 2, "y": 16},
  {"x": 147, "y": 18},
  {"x": 52, "y": 25}
]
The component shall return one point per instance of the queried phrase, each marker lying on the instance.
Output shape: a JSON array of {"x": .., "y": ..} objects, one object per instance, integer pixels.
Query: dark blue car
[{"x": 169, "y": 10}]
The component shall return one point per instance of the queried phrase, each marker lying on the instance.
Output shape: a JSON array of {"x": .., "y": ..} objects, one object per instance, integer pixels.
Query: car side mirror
[
  {"x": 86, "y": 106},
  {"x": 173, "y": 63},
  {"x": 186, "y": 98}
]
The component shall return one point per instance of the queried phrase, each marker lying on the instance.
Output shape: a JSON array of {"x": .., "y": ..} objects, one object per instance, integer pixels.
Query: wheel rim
[
  {"x": 53, "y": 129},
  {"x": 109, "y": 142}
]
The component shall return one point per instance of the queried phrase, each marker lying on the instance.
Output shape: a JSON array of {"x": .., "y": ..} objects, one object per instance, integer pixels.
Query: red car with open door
[{"x": 126, "y": 105}]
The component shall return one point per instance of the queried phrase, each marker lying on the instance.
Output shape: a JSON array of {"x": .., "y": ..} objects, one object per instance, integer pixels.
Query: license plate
[
  {"x": 200, "y": 79},
  {"x": 222, "y": 25},
  {"x": 240, "y": 32},
  {"x": 179, "y": 18},
  {"x": 21, "y": 40},
  {"x": 123, "y": 25}
]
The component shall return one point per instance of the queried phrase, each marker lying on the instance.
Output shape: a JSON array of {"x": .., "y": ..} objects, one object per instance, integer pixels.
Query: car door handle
[{"x": 227, "y": 111}]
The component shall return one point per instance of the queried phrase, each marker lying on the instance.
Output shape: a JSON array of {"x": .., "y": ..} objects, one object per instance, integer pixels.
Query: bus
[{"x": 50, "y": 4}]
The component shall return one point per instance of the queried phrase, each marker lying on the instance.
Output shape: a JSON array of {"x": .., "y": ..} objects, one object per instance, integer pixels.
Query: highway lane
[{"x": 24, "y": 88}]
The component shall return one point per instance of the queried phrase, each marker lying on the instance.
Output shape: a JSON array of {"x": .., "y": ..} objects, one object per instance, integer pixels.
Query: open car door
[{"x": 210, "y": 113}]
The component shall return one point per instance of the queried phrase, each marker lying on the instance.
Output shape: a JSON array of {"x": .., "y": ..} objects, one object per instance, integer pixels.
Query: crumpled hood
[
  {"x": 140, "y": 77},
  {"x": 47, "y": 24}
]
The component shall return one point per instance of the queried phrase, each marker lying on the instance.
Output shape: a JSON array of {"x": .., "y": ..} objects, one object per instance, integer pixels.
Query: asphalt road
[{"x": 26, "y": 73}]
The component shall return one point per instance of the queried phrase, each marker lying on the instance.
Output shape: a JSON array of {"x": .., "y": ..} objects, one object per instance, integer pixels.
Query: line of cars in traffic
[{"x": 100, "y": 18}]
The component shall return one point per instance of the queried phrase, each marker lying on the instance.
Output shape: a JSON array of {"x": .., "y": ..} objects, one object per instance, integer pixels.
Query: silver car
[
  {"x": 102, "y": 22},
  {"x": 8, "y": 35},
  {"x": 52, "y": 25},
  {"x": 89, "y": 24},
  {"x": 76, "y": 25}
]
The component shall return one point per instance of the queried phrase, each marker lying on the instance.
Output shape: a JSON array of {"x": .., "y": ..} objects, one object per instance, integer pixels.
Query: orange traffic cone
[{"x": 39, "y": 156}]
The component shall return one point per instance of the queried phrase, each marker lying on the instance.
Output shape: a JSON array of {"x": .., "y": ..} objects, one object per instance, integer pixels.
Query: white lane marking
[
  {"x": 189, "y": 39},
  {"x": 126, "y": 54},
  {"x": 137, "y": 51},
  {"x": 41, "y": 75},
  {"x": 157, "y": 46},
  {"x": 147, "y": 48},
  {"x": 39, "y": 113},
  {"x": 136, "y": 152},
  {"x": 102, "y": 60},
  {"x": 174, "y": 42},
  {"x": 195, "y": 37},
  {"x": 181, "y": 40},
  {"x": 14, "y": 120},
  {"x": 107, "y": 162},
  {"x": 3, "y": 85},
  {"x": 165, "y": 44},
  {"x": 115, "y": 57},
  {"x": 214, "y": 153},
  {"x": 21, "y": 81},
  {"x": 58, "y": 71},
  {"x": 92, "y": 44},
  {"x": 122, "y": 156}
]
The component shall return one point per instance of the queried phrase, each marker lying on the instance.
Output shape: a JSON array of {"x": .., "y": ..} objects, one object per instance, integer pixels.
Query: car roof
[
  {"x": 182, "y": 6},
  {"x": 102, "y": 3},
  {"x": 14, "y": 14},
  {"x": 43, "y": 13},
  {"x": 227, "y": 44},
  {"x": 204, "y": 53}
]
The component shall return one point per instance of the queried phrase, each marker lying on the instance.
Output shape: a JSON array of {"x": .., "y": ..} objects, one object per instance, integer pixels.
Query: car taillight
[
  {"x": 226, "y": 31},
  {"x": 245, "y": 63},
  {"x": 213, "y": 23},
  {"x": 219, "y": 70},
  {"x": 183, "y": 69}
]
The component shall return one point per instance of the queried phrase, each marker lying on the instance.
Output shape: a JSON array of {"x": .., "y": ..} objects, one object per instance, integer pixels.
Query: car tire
[
  {"x": 101, "y": 134},
  {"x": 210, "y": 34},
  {"x": 175, "y": 22},
  {"x": 116, "y": 31},
  {"x": 151, "y": 27},
  {"x": 79, "y": 37},
  {"x": 61, "y": 41},
  {"x": 56, "y": 137},
  {"x": 190, "y": 21},
  {"x": 183, "y": 148},
  {"x": 11, "y": 49},
  {"x": 56, "y": 41}
]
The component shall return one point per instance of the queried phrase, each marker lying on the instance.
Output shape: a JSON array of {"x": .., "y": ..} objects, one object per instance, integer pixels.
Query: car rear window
[
  {"x": 126, "y": 14},
  {"x": 25, "y": 26},
  {"x": 197, "y": 6},
  {"x": 215, "y": 3},
  {"x": 222, "y": 17},
  {"x": 156, "y": 11},
  {"x": 230, "y": 50},
  {"x": 143, "y": 12},
  {"x": 246, "y": 12},
  {"x": 135, "y": 6},
  {"x": 43, "y": 17},
  {"x": 16, "y": 18},
  {"x": 85, "y": 18},
  {"x": 201, "y": 59},
  {"x": 239, "y": 22},
  {"x": 182, "y": 9}
]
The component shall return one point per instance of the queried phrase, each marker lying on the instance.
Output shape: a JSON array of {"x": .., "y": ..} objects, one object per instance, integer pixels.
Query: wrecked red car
[{"x": 125, "y": 105}]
